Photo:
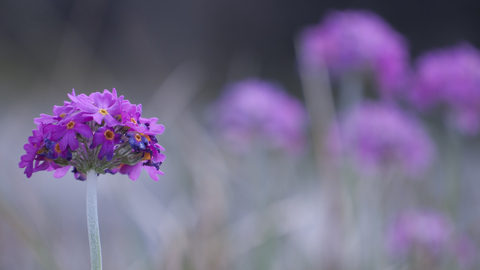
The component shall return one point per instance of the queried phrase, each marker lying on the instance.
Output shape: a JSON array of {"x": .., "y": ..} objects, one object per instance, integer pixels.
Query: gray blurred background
[{"x": 49, "y": 47}]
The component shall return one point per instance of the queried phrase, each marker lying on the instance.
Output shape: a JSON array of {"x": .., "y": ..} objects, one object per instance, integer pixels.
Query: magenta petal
[
  {"x": 57, "y": 131},
  {"x": 153, "y": 172},
  {"x": 157, "y": 129},
  {"x": 70, "y": 140},
  {"x": 115, "y": 108},
  {"x": 106, "y": 150},
  {"x": 86, "y": 105},
  {"x": 132, "y": 171},
  {"x": 98, "y": 138},
  {"x": 42, "y": 167},
  {"x": 26, "y": 158},
  {"x": 22, "y": 164},
  {"x": 158, "y": 157},
  {"x": 60, "y": 172},
  {"x": 83, "y": 129},
  {"x": 63, "y": 143},
  {"x": 72, "y": 96},
  {"x": 29, "y": 148},
  {"x": 102, "y": 101},
  {"x": 110, "y": 121},
  {"x": 160, "y": 147},
  {"x": 29, "y": 170},
  {"x": 98, "y": 117},
  {"x": 114, "y": 93},
  {"x": 135, "y": 173}
]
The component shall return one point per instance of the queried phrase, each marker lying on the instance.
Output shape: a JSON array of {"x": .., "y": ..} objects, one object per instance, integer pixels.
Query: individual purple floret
[
  {"x": 65, "y": 131},
  {"x": 421, "y": 231},
  {"x": 94, "y": 133},
  {"x": 102, "y": 107},
  {"x": 107, "y": 137},
  {"x": 254, "y": 111},
  {"x": 376, "y": 136},
  {"x": 450, "y": 78},
  {"x": 358, "y": 42}
]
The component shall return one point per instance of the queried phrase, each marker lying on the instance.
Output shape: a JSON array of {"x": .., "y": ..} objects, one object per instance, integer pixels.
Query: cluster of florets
[
  {"x": 358, "y": 42},
  {"x": 255, "y": 112},
  {"x": 431, "y": 230},
  {"x": 100, "y": 132},
  {"x": 430, "y": 233},
  {"x": 375, "y": 136},
  {"x": 450, "y": 78}
]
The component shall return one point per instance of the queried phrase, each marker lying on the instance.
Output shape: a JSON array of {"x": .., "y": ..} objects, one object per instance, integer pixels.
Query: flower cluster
[
  {"x": 450, "y": 78},
  {"x": 430, "y": 232},
  {"x": 375, "y": 135},
  {"x": 253, "y": 110},
  {"x": 100, "y": 132},
  {"x": 358, "y": 41}
]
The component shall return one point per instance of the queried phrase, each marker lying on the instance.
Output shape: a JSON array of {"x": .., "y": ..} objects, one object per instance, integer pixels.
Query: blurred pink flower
[
  {"x": 256, "y": 110},
  {"x": 358, "y": 41},
  {"x": 376, "y": 135},
  {"x": 428, "y": 230},
  {"x": 465, "y": 251},
  {"x": 451, "y": 78}
]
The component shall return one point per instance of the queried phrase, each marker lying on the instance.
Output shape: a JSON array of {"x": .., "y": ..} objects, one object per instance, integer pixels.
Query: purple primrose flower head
[
  {"x": 358, "y": 41},
  {"x": 450, "y": 78},
  {"x": 100, "y": 132},
  {"x": 376, "y": 135},
  {"x": 254, "y": 110}
]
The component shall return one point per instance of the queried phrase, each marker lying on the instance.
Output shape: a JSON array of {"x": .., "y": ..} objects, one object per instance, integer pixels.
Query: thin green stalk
[{"x": 92, "y": 222}]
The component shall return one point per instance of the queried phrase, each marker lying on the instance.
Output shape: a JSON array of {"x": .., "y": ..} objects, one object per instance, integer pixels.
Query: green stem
[{"x": 92, "y": 222}]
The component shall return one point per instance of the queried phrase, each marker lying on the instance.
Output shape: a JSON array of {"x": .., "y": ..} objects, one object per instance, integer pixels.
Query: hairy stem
[{"x": 92, "y": 222}]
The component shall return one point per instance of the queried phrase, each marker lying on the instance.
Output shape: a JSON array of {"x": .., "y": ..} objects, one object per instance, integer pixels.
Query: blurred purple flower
[
  {"x": 256, "y": 110},
  {"x": 465, "y": 251},
  {"x": 377, "y": 135},
  {"x": 428, "y": 230},
  {"x": 358, "y": 41},
  {"x": 450, "y": 78}
]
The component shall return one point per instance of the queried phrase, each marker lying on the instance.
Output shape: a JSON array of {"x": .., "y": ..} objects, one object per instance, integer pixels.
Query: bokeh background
[{"x": 212, "y": 209}]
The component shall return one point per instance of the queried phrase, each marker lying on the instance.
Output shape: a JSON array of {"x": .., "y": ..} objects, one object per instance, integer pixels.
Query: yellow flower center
[
  {"x": 57, "y": 148},
  {"x": 148, "y": 137},
  {"x": 109, "y": 135},
  {"x": 70, "y": 125},
  {"x": 41, "y": 150},
  {"x": 133, "y": 121},
  {"x": 103, "y": 111},
  {"x": 62, "y": 115},
  {"x": 138, "y": 137},
  {"x": 146, "y": 156}
]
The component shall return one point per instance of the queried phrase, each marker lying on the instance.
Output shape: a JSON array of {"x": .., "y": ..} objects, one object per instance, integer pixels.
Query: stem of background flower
[
  {"x": 351, "y": 90},
  {"x": 92, "y": 222}
]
